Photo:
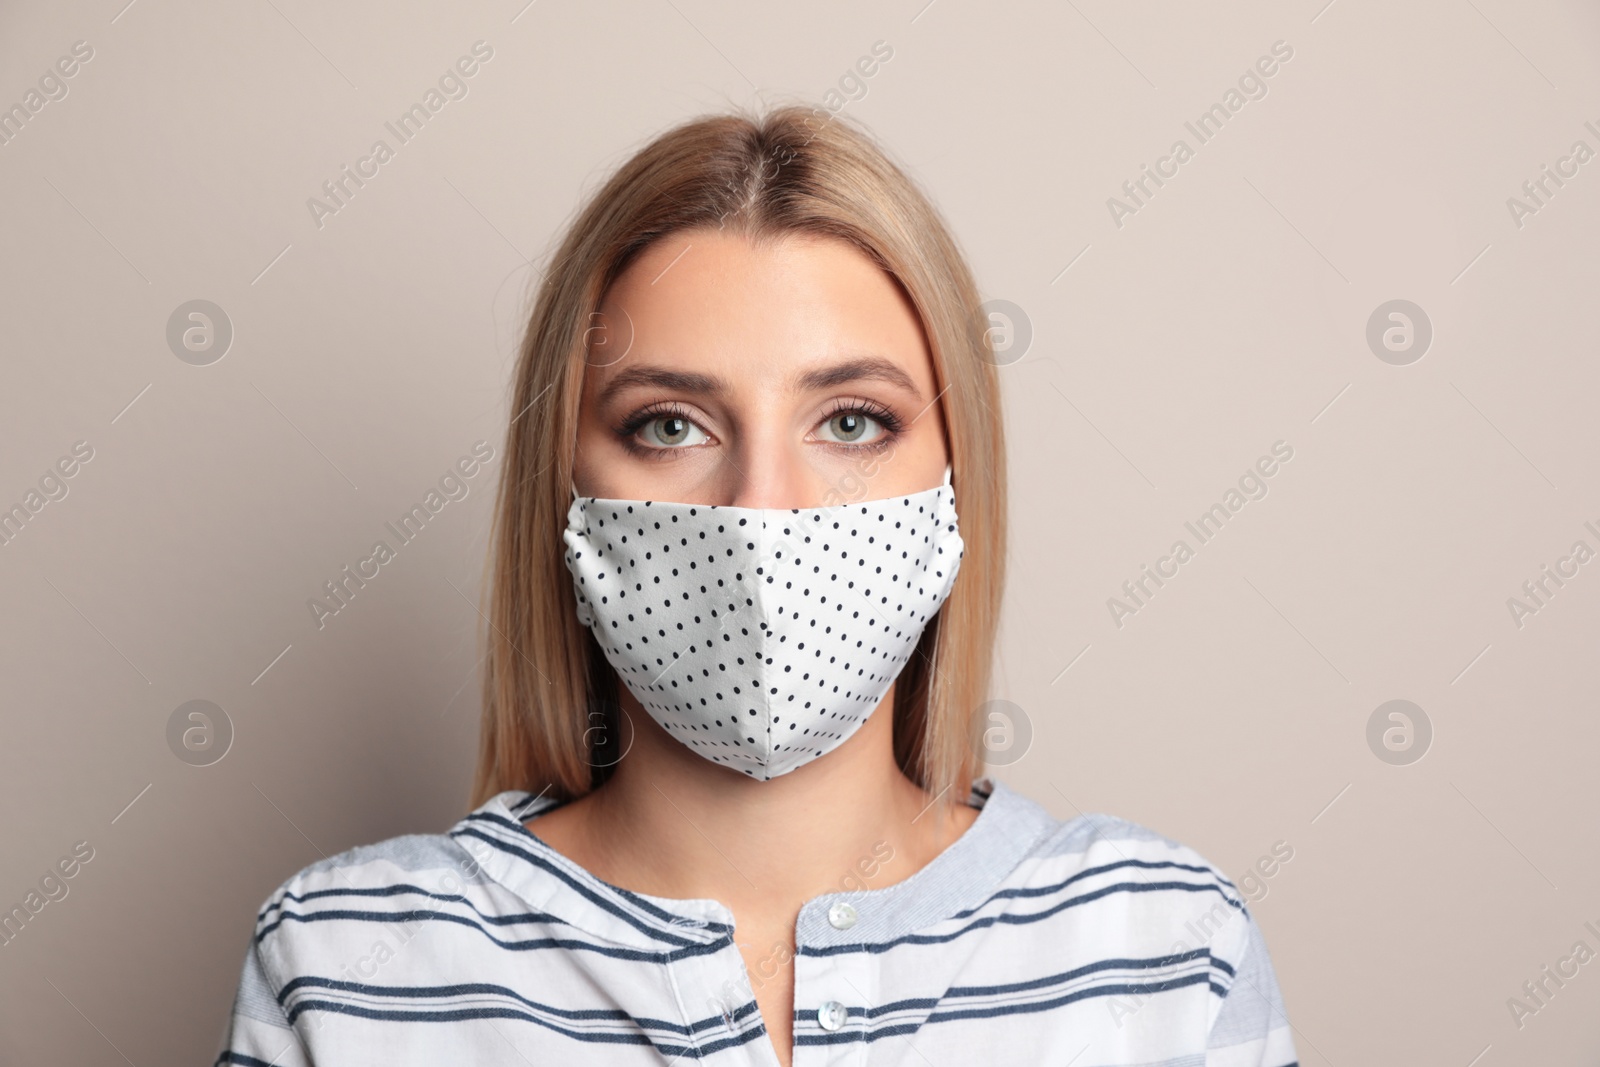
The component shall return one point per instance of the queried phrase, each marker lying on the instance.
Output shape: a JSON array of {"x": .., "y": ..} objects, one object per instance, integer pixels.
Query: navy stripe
[
  {"x": 526, "y": 945},
  {"x": 1044, "y": 890},
  {"x": 697, "y": 1051},
  {"x": 525, "y": 807},
  {"x": 1045, "y": 981},
  {"x": 490, "y": 989},
  {"x": 1039, "y": 891},
  {"x": 401, "y": 888},
  {"x": 523, "y": 833},
  {"x": 394, "y": 889},
  {"x": 902, "y": 1029},
  {"x": 669, "y": 921},
  {"x": 1013, "y": 919},
  {"x": 538, "y": 861},
  {"x": 1030, "y": 1006},
  {"x": 1146, "y": 964}
]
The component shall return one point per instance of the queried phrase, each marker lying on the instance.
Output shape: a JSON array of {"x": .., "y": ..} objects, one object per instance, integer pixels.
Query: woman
[{"x": 727, "y": 804}]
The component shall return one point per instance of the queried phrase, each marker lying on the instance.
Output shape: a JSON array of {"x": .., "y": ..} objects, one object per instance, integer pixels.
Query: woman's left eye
[
  {"x": 672, "y": 431},
  {"x": 853, "y": 427}
]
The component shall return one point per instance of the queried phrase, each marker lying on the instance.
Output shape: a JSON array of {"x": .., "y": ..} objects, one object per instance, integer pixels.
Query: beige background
[{"x": 1168, "y": 354}]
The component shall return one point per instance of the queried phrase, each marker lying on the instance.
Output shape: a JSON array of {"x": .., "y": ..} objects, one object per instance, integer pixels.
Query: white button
[
  {"x": 842, "y": 915},
  {"x": 831, "y": 1015}
]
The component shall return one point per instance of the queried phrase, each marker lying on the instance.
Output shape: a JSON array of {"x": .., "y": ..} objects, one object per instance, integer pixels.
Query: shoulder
[
  {"x": 380, "y": 882},
  {"x": 1145, "y": 893},
  {"x": 377, "y": 865},
  {"x": 328, "y": 922},
  {"x": 1165, "y": 901},
  {"x": 1100, "y": 839}
]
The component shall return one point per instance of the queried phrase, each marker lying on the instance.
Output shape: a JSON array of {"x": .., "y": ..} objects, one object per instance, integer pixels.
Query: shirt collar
[{"x": 956, "y": 881}]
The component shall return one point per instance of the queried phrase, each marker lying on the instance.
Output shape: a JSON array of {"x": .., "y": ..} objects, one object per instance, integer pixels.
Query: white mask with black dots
[{"x": 762, "y": 638}]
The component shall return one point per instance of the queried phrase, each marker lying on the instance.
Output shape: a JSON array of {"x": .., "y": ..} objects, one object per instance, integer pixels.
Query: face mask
[{"x": 762, "y": 638}]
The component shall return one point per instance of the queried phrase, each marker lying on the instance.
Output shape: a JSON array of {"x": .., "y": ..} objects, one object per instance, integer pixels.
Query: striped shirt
[{"x": 1028, "y": 940}]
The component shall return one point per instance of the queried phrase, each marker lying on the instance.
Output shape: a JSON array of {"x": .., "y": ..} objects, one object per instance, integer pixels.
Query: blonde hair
[{"x": 550, "y": 708}]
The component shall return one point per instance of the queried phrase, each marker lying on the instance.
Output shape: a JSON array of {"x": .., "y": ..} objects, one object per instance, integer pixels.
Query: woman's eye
[
  {"x": 853, "y": 427},
  {"x": 671, "y": 431}
]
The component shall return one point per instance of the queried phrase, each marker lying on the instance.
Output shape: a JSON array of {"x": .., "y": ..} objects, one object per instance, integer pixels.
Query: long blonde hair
[{"x": 550, "y": 698}]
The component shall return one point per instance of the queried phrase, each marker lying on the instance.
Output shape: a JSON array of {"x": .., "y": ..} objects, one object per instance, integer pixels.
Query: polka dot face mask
[{"x": 762, "y": 638}]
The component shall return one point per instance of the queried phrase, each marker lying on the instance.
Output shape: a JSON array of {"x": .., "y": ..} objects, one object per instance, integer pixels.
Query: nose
[{"x": 770, "y": 476}]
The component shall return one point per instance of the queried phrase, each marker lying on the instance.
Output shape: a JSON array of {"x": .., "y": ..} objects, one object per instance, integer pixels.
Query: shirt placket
[
  {"x": 833, "y": 990},
  {"x": 713, "y": 988}
]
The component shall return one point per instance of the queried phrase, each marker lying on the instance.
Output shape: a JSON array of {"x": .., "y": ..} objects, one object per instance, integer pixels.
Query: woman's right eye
[{"x": 671, "y": 431}]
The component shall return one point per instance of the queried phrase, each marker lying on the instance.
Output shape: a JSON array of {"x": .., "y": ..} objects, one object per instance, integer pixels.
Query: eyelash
[{"x": 891, "y": 423}]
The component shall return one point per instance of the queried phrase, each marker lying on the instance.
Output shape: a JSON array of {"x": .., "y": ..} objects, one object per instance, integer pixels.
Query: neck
[{"x": 674, "y": 824}]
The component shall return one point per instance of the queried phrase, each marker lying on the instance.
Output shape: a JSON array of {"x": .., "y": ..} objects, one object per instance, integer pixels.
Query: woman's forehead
[{"x": 717, "y": 302}]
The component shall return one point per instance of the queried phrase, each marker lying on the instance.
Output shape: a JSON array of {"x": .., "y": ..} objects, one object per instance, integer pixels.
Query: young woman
[{"x": 728, "y": 797}]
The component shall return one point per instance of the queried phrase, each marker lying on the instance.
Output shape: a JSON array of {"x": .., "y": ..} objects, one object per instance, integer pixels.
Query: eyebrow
[{"x": 858, "y": 368}]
